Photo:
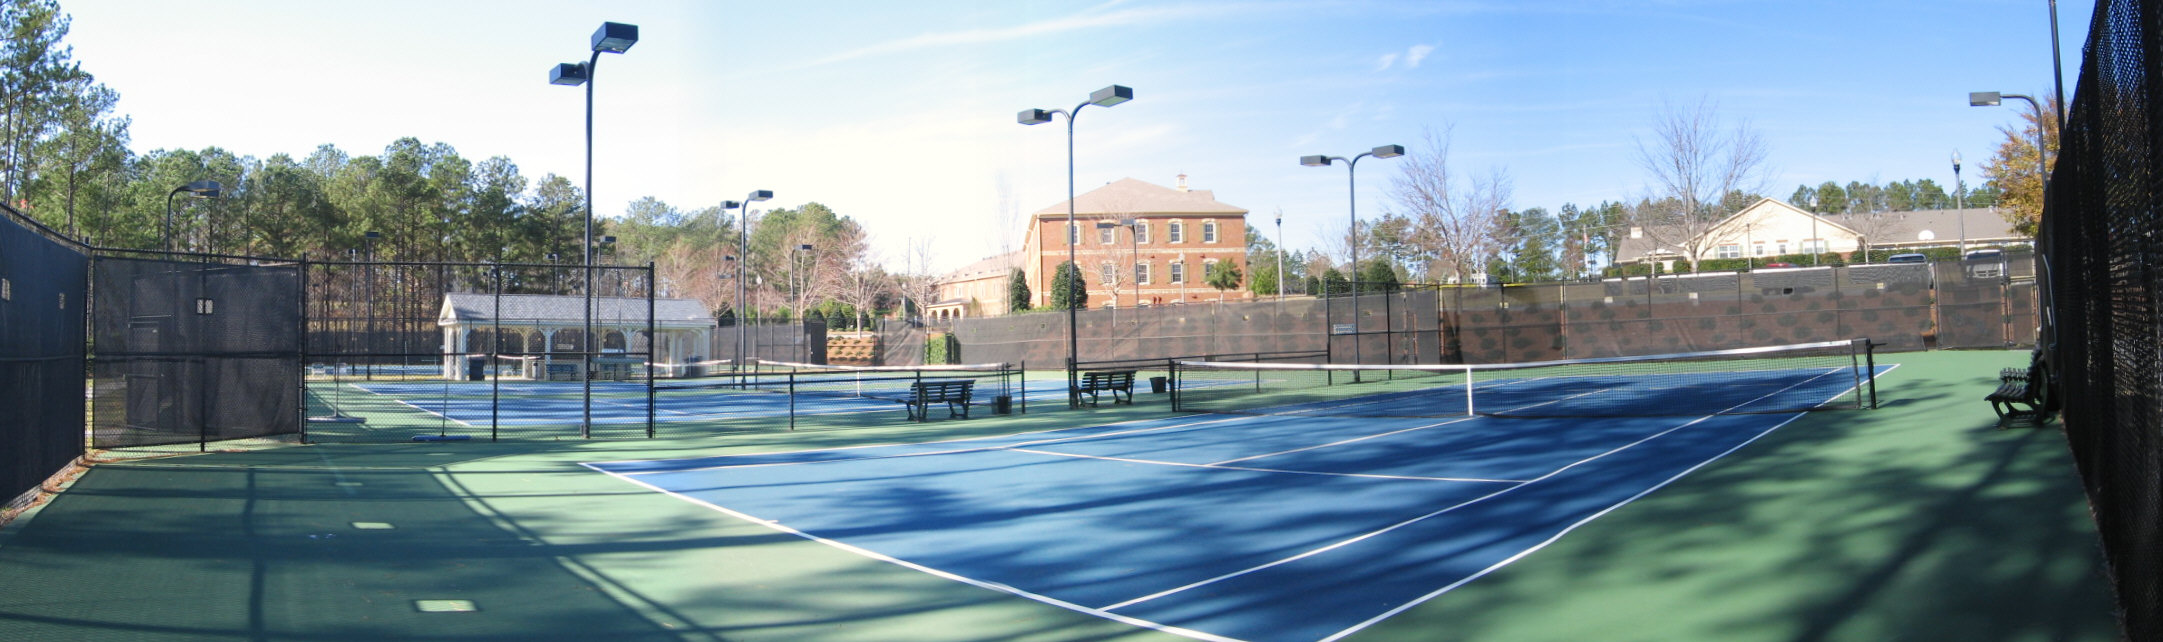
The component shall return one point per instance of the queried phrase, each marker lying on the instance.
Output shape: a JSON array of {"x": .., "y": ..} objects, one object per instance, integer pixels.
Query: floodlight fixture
[
  {"x": 1984, "y": 98},
  {"x": 570, "y": 74},
  {"x": 1109, "y": 96},
  {"x": 1387, "y": 151},
  {"x": 1033, "y": 117},
  {"x": 614, "y": 37},
  {"x": 1314, "y": 161}
]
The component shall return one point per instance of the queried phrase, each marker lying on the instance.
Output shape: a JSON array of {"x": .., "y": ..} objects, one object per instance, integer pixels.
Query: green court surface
[{"x": 1920, "y": 520}]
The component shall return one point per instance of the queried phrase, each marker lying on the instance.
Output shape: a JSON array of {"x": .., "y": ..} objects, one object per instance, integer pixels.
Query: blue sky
[{"x": 901, "y": 115}]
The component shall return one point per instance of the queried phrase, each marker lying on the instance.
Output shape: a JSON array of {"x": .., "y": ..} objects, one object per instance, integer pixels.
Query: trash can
[
  {"x": 1156, "y": 385},
  {"x": 1002, "y": 405},
  {"x": 476, "y": 368}
]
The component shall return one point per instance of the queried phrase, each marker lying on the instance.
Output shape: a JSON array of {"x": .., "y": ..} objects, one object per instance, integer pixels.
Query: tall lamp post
[
  {"x": 1351, "y": 170},
  {"x": 1960, "y": 205},
  {"x": 196, "y": 189},
  {"x": 1105, "y": 97},
  {"x": 612, "y": 37},
  {"x": 743, "y": 254},
  {"x": 1280, "y": 256},
  {"x": 1134, "y": 254},
  {"x": 368, "y": 293},
  {"x": 2042, "y": 152}
]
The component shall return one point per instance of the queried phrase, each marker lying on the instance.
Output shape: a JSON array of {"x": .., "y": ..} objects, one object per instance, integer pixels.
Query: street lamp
[
  {"x": 612, "y": 37},
  {"x": 368, "y": 293},
  {"x": 1134, "y": 255},
  {"x": 796, "y": 293},
  {"x": 1280, "y": 257},
  {"x": 1105, "y": 97},
  {"x": 2042, "y": 153},
  {"x": 743, "y": 250},
  {"x": 197, "y": 189},
  {"x": 1351, "y": 168},
  {"x": 1960, "y": 205}
]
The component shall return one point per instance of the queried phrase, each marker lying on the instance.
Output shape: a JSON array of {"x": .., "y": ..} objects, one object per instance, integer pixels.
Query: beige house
[
  {"x": 1138, "y": 244},
  {"x": 1770, "y": 228}
]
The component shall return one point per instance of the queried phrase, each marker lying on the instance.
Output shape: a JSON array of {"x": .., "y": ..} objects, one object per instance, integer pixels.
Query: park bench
[
  {"x": 952, "y": 392},
  {"x": 1112, "y": 381},
  {"x": 2017, "y": 387}
]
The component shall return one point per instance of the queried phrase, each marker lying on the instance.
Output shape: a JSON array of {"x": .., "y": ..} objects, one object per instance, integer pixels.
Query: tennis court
[
  {"x": 1296, "y": 524},
  {"x": 1917, "y": 520}
]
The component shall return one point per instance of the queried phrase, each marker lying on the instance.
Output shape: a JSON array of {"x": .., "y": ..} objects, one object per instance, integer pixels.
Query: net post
[
  {"x": 495, "y": 344},
  {"x": 792, "y": 400},
  {"x": 1870, "y": 369},
  {"x": 916, "y": 377},
  {"x": 1024, "y": 387},
  {"x": 300, "y": 353},
  {"x": 653, "y": 339}
]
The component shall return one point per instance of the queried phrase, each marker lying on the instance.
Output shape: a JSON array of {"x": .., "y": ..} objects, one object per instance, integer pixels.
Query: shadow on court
[{"x": 1922, "y": 520}]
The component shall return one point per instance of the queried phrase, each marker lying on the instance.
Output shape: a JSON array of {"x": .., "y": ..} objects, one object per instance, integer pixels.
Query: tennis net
[
  {"x": 992, "y": 380},
  {"x": 1777, "y": 379}
]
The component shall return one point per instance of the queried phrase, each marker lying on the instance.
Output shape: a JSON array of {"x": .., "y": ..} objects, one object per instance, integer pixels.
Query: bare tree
[
  {"x": 1455, "y": 226},
  {"x": 1697, "y": 165},
  {"x": 916, "y": 283}
]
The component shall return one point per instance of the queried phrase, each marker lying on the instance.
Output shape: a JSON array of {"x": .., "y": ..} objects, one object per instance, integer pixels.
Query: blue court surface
[
  {"x": 1214, "y": 527},
  {"x": 537, "y": 403}
]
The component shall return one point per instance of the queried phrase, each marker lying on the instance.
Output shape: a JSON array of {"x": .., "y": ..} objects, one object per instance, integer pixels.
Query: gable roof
[
  {"x": 1130, "y": 196},
  {"x": 1880, "y": 229},
  {"x": 551, "y": 309}
]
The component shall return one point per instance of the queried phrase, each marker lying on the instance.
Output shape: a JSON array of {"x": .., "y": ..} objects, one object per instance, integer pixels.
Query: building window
[
  {"x": 1141, "y": 273},
  {"x": 1110, "y": 275},
  {"x": 1757, "y": 249},
  {"x": 1141, "y": 232},
  {"x": 1104, "y": 235},
  {"x": 1209, "y": 232},
  {"x": 1780, "y": 248},
  {"x": 1179, "y": 271},
  {"x": 1073, "y": 234},
  {"x": 1729, "y": 251},
  {"x": 1177, "y": 232},
  {"x": 1814, "y": 246}
]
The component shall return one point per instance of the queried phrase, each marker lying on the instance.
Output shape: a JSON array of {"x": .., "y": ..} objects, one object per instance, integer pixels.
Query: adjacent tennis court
[{"x": 1299, "y": 525}]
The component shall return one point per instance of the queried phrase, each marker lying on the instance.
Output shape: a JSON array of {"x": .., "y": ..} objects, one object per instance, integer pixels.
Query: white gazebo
[{"x": 534, "y": 327}]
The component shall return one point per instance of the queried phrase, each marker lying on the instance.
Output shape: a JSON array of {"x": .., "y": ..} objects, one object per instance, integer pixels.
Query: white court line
[
  {"x": 1409, "y": 522},
  {"x": 1574, "y": 526},
  {"x": 995, "y": 586},
  {"x": 1339, "y": 443},
  {"x": 1376, "y": 533},
  {"x": 919, "y": 454},
  {"x": 1182, "y": 464}
]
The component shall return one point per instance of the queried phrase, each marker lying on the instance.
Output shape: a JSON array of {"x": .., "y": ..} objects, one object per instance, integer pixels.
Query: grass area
[{"x": 1921, "y": 520}]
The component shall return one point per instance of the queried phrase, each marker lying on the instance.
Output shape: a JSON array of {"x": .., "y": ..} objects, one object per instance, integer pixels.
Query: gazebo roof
[{"x": 469, "y": 308}]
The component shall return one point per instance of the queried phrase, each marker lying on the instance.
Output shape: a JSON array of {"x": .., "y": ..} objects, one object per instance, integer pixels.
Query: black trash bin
[
  {"x": 1156, "y": 384},
  {"x": 476, "y": 368},
  {"x": 1002, "y": 405}
]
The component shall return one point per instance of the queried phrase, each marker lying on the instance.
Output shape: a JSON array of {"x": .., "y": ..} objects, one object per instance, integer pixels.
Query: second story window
[
  {"x": 1105, "y": 236},
  {"x": 1141, "y": 232},
  {"x": 1177, "y": 232},
  {"x": 1209, "y": 232}
]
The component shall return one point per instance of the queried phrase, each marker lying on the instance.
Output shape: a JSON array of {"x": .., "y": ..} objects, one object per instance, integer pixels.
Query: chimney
[{"x": 1182, "y": 182}]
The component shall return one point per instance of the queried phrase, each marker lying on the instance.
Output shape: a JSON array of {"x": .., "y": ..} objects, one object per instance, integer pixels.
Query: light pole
[
  {"x": 1105, "y": 97},
  {"x": 1280, "y": 257},
  {"x": 1960, "y": 204},
  {"x": 743, "y": 254},
  {"x": 1134, "y": 254},
  {"x": 1351, "y": 170},
  {"x": 612, "y": 37},
  {"x": 196, "y": 189},
  {"x": 797, "y": 292},
  {"x": 368, "y": 293},
  {"x": 2042, "y": 153}
]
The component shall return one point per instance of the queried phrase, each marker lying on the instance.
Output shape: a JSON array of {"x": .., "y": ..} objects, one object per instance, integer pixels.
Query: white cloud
[
  {"x": 1418, "y": 53},
  {"x": 1387, "y": 60}
]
